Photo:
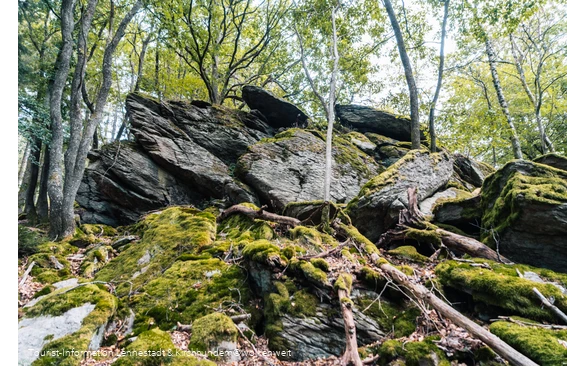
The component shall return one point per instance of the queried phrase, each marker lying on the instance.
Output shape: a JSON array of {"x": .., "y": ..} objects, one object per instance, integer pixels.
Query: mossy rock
[
  {"x": 188, "y": 290},
  {"x": 552, "y": 159},
  {"x": 502, "y": 288},
  {"x": 155, "y": 347},
  {"x": 394, "y": 317},
  {"x": 312, "y": 239},
  {"x": 412, "y": 353},
  {"x": 96, "y": 259},
  {"x": 409, "y": 252},
  {"x": 540, "y": 345},
  {"x": 214, "y": 333},
  {"x": 167, "y": 235},
  {"x": 241, "y": 228},
  {"x": 264, "y": 252},
  {"x": 28, "y": 241},
  {"x": 44, "y": 271},
  {"x": 58, "y": 303},
  {"x": 524, "y": 207}
]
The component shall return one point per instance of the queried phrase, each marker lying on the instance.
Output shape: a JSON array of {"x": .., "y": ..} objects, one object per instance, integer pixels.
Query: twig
[
  {"x": 548, "y": 304},
  {"x": 26, "y": 273}
]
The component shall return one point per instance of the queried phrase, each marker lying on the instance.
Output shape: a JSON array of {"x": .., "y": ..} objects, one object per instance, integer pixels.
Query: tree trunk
[
  {"x": 42, "y": 201},
  {"x": 414, "y": 120},
  {"x": 55, "y": 182},
  {"x": 439, "y": 79},
  {"x": 502, "y": 100},
  {"x": 351, "y": 355},
  {"x": 141, "y": 62},
  {"x": 23, "y": 163},
  {"x": 331, "y": 108},
  {"x": 29, "y": 205},
  {"x": 23, "y": 187},
  {"x": 73, "y": 179}
]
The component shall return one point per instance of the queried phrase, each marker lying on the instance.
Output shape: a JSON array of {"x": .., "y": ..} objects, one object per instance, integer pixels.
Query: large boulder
[
  {"x": 367, "y": 119},
  {"x": 291, "y": 167},
  {"x": 122, "y": 182},
  {"x": 471, "y": 171},
  {"x": 376, "y": 208},
  {"x": 524, "y": 208},
  {"x": 552, "y": 159},
  {"x": 278, "y": 112}
]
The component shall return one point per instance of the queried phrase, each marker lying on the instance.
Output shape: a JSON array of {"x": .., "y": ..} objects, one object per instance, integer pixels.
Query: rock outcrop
[
  {"x": 291, "y": 168},
  {"x": 552, "y": 159},
  {"x": 376, "y": 208},
  {"x": 367, "y": 119},
  {"x": 524, "y": 207},
  {"x": 278, "y": 112},
  {"x": 471, "y": 171}
]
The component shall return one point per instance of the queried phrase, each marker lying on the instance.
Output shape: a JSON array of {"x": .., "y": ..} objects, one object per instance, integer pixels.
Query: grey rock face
[
  {"x": 464, "y": 214},
  {"x": 376, "y": 208},
  {"x": 34, "y": 333},
  {"x": 278, "y": 112},
  {"x": 471, "y": 171},
  {"x": 291, "y": 168},
  {"x": 525, "y": 205},
  {"x": 122, "y": 182},
  {"x": 552, "y": 159},
  {"x": 367, "y": 119},
  {"x": 426, "y": 206}
]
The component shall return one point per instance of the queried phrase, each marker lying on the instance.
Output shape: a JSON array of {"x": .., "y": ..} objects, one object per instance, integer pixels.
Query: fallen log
[
  {"x": 258, "y": 214},
  {"x": 343, "y": 287},
  {"x": 410, "y": 218}
]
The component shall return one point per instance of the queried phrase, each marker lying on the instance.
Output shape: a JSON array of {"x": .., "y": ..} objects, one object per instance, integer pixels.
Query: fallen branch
[
  {"x": 422, "y": 293},
  {"x": 548, "y": 304},
  {"x": 26, "y": 273},
  {"x": 258, "y": 214},
  {"x": 327, "y": 253},
  {"x": 411, "y": 218},
  {"x": 343, "y": 287}
]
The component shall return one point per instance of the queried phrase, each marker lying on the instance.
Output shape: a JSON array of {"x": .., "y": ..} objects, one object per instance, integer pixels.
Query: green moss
[
  {"x": 407, "y": 270},
  {"x": 313, "y": 273},
  {"x": 187, "y": 291},
  {"x": 501, "y": 287},
  {"x": 263, "y": 251},
  {"x": 154, "y": 346},
  {"x": 28, "y": 241},
  {"x": 166, "y": 236},
  {"x": 412, "y": 353},
  {"x": 538, "y": 344},
  {"x": 95, "y": 259},
  {"x": 44, "y": 271},
  {"x": 98, "y": 230},
  {"x": 58, "y": 303},
  {"x": 320, "y": 263},
  {"x": 344, "y": 282},
  {"x": 209, "y": 331},
  {"x": 394, "y": 318},
  {"x": 308, "y": 238},
  {"x": 44, "y": 291},
  {"x": 359, "y": 239},
  {"x": 409, "y": 252},
  {"x": 240, "y": 228},
  {"x": 500, "y": 202}
]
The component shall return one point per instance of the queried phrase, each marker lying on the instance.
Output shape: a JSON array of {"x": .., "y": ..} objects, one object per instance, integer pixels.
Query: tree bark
[
  {"x": 439, "y": 79},
  {"x": 42, "y": 201},
  {"x": 29, "y": 205},
  {"x": 23, "y": 187},
  {"x": 23, "y": 162},
  {"x": 331, "y": 108},
  {"x": 259, "y": 214},
  {"x": 502, "y": 100},
  {"x": 55, "y": 182},
  {"x": 351, "y": 355},
  {"x": 413, "y": 93}
]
